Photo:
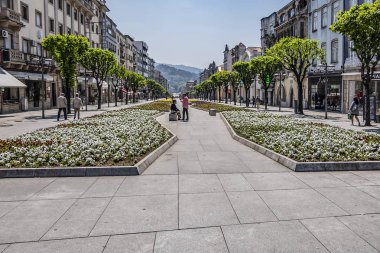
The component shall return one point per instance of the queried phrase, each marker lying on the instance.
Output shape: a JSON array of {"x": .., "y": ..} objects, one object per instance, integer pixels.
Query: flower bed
[
  {"x": 118, "y": 138},
  {"x": 303, "y": 141},
  {"x": 155, "y": 106},
  {"x": 203, "y": 105}
]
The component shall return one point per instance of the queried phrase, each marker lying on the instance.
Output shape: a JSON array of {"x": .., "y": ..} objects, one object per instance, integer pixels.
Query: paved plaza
[{"x": 208, "y": 193}]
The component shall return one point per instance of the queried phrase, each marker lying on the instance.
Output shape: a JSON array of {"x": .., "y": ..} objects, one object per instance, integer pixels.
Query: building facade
[
  {"x": 268, "y": 33},
  {"x": 207, "y": 72}
]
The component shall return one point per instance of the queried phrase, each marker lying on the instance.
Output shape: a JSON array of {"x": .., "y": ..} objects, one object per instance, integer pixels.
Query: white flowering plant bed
[
  {"x": 304, "y": 141},
  {"x": 119, "y": 138}
]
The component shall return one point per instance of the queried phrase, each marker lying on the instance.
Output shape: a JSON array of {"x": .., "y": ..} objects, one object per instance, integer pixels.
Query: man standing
[
  {"x": 77, "y": 104},
  {"x": 185, "y": 106},
  {"x": 62, "y": 105}
]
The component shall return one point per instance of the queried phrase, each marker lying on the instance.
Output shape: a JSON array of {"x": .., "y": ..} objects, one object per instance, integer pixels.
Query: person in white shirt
[
  {"x": 77, "y": 104},
  {"x": 62, "y": 105}
]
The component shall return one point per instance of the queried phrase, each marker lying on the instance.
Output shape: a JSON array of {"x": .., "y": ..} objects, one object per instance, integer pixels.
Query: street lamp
[
  {"x": 240, "y": 95},
  {"x": 324, "y": 80},
  {"x": 42, "y": 62},
  {"x": 282, "y": 77}
]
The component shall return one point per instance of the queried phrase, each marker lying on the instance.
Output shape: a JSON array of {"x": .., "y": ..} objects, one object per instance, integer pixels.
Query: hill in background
[{"x": 178, "y": 75}]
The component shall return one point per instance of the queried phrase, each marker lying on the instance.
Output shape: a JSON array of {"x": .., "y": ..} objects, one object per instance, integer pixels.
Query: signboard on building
[{"x": 376, "y": 76}]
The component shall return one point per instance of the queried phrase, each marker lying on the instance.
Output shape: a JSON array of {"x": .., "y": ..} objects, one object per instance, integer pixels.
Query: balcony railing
[
  {"x": 8, "y": 14},
  {"x": 88, "y": 5},
  {"x": 11, "y": 55}
]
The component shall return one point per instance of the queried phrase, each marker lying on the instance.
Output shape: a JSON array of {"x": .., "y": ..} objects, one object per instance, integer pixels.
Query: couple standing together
[
  {"x": 185, "y": 106},
  {"x": 62, "y": 105}
]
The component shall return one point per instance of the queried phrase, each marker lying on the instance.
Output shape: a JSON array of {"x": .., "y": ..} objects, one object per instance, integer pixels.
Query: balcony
[
  {"x": 88, "y": 5},
  {"x": 10, "y": 18},
  {"x": 12, "y": 56}
]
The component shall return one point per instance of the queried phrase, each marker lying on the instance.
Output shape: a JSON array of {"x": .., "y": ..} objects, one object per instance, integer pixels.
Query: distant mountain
[
  {"x": 177, "y": 76},
  {"x": 184, "y": 68}
]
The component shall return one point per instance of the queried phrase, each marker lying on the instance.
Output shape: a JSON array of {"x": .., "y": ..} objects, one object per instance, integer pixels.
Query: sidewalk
[
  {"x": 208, "y": 193},
  {"x": 15, "y": 124}
]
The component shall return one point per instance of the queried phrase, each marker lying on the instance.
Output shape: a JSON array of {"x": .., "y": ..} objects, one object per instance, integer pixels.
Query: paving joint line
[{"x": 311, "y": 233}]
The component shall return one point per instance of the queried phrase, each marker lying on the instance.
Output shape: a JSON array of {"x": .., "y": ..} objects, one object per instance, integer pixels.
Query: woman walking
[{"x": 354, "y": 111}]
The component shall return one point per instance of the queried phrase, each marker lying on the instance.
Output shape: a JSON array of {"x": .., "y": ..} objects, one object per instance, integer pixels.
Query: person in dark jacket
[{"x": 174, "y": 109}]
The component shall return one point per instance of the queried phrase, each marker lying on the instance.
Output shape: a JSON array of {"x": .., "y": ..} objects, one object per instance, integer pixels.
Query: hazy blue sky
[{"x": 192, "y": 32}]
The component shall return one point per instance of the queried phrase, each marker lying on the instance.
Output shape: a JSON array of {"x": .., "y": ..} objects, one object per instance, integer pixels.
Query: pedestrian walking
[
  {"x": 77, "y": 104},
  {"x": 253, "y": 101},
  {"x": 354, "y": 111},
  {"x": 258, "y": 103},
  {"x": 185, "y": 106},
  {"x": 62, "y": 105}
]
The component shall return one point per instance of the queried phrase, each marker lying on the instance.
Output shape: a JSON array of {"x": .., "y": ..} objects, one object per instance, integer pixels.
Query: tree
[
  {"x": 136, "y": 81},
  {"x": 361, "y": 24},
  {"x": 267, "y": 67},
  {"x": 235, "y": 81},
  {"x": 66, "y": 51},
  {"x": 100, "y": 63},
  {"x": 297, "y": 55},
  {"x": 150, "y": 85},
  {"x": 215, "y": 78},
  {"x": 244, "y": 70},
  {"x": 117, "y": 74}
]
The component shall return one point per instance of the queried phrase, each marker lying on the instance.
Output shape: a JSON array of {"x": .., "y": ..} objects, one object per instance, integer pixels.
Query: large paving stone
[
  {"x": 79, "y": 220},
  {"x": 320, "y": 179},
  {"x": 234, "y": 182},
  {"x": 149, "y": 185},
  {"x": 6, "y": 207},
  {"x": 21, "y": 188},
  {"x": 251, "y": 156},
  {"x": 207, "y": 240},
  {"x": 205, "y": 210},
  {"x": 300, "y": 204},
  {"x": 65, "y": 188},
  {"x": 199, "y": 184},
  {"x": 212, "y": 148},
  {"x": 219, "y": 167},
  {"x": 274, "y": 181},
  {"x": 104, "y": 187},
  {"x": 138, "y": 214},
  {"x": 373, "y": 176},
  {"x": 31, "y": 220},
  {"x": 250, "y": 208},
  {"x": 336, "y": 237},
  {"x": 374, "y": 190},
  {"x": 189, "y": 167},
  {"x": 366, "y": 226},
  {"x": 133, "y": 243},
  {"x": 188, "y": 147},
  {"x": 352, "y": 179},
  {"x": 289, "y": 236},
  {"x": 167, "y": 164},
  {"x": 187, "y": 156},
  {"x": 265, "y": 165},
  {"x": 82, "y": 245},
  {"x": 352, "y": 200},
  {"x": 218, "y": 156},
  {"x": 3, "y": 247}
]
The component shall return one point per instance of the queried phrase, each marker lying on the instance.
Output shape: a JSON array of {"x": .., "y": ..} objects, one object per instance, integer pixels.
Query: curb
[
  {"x": 101, "y": 171},
  {"x": 302, "y": 166}
]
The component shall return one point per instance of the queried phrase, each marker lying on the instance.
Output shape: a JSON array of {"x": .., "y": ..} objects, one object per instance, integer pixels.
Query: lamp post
[
  {"x": 324, "y": 80},
  {"x": 85, "y": 87},
  {"x": 42, "y": 62},
  {"x": 281, "y": 75},
  {"x": 255, "y": 91},
  {"x": 240, "y": 95}
]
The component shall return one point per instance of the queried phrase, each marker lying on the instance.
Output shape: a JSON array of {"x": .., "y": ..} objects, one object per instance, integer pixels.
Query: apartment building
[
  {"x": 131, "y": 52},
  {"x": 144, "y": 62},
  {"x": 24, "y": 24},
  {"x": 158, "y": 77}
]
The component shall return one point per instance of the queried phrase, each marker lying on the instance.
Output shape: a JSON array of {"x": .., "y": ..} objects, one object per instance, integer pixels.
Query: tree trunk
[
  {"x": 116, "y": 93},
  {"x": 266, "y": 98},
  {"x": 367, "y": 104},
  {"x": 234, "y": 96},
  {"x": 68, "y": 96},
  {"x": 219, "y": 95},
  {"x": 134, "y": 96},
  {"x": 226, "y": 94},
  {"x": 246, "y": 97},
  {"x": 99, "y": 97},
  {"x": 300, "y": 97},
  {"x": 126, "y": 96}
]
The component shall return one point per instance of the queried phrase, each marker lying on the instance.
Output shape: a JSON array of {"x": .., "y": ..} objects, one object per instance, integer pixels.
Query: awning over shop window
[
  {"x": 91, "y": 82},
  {"x": 31, "y": 76},
  {"x": 9, "y": 81}
]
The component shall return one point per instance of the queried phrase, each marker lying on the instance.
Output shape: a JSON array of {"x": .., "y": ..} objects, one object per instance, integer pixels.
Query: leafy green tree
[
  {"x": 267, "y": 67},
  {"x": 215, "y": 78},
  {"x": 297, "y": 55},
  {"x": 245, "y": 71},
  {"x": 235, "y": 81},
  {"x": 66, "y": 50},
  {"x": 361, "y": 24},
  {"x": 100, "y": 63},
  {"x": 117, "y": 76},
  {"x": 134, "y": 82}
]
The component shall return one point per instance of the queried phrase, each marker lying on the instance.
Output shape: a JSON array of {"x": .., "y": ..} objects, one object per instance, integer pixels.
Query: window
[
  {"x": 315, "y": 21},
  {"x": 60, "y": 29},
  {"x": 25, "y": 46},
  {"x": 334, "y": 51},
  {"x": 60, "y": 4},
  {"x": 351, "y": 53},
  {"x": 97, "y": 29},
  {"x": 68, "y": 9},
  {"x": 302, "y": 30},
  {"x": 38, "y": 19},
  {"x": 51, "y": 1},
  {"x": 76, "y": 14},
  {"x": 324, "y": 17},
  {"x": 92, "y": 27},
  {"x": 39, "y": 49},
  {"x": 324, "y": 49},
  {"x": 335, "y": 9},
  {"x": 25, "y": 12},
  {"x": 51, "y": 25},
  {"x": 81, "y": 18},
  {"x": 10, "y": 4}
]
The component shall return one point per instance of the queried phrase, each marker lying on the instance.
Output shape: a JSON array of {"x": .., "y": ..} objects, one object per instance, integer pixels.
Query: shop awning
[
  {"x": 90, "y": 80},
  {"x": 31, "y": 76},
  {"x": 9, "y": 81}
]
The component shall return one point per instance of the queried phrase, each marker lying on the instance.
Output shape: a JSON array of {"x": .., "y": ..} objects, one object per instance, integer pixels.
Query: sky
[{"x": 192, "y": 32}]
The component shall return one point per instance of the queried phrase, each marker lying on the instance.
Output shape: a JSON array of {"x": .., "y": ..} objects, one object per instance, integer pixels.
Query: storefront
[
  {"x": 11, "y": 90},
  {"x": 317, "y": 92}
]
